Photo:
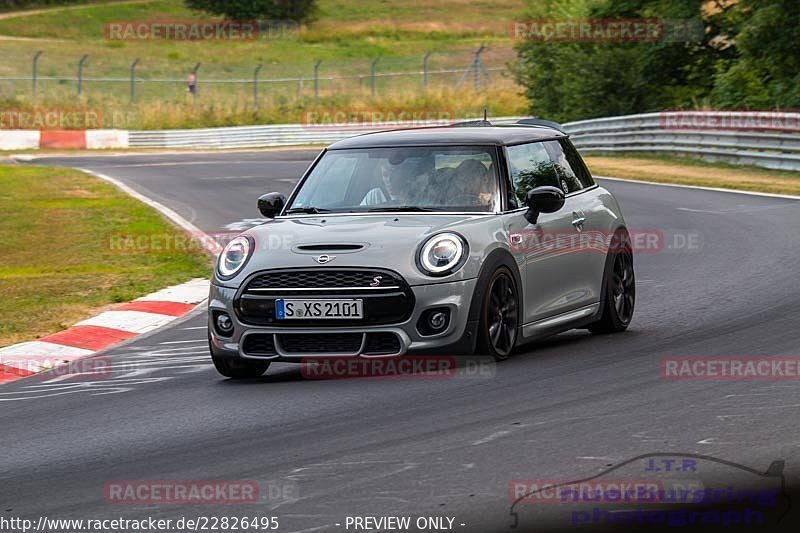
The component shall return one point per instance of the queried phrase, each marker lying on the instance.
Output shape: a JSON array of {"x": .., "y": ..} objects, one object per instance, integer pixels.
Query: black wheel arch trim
[{"x": 496, "y": 258}]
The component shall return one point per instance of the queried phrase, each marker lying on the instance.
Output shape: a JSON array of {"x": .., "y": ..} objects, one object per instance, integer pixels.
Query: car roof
[{"x": 450, "y": 135}]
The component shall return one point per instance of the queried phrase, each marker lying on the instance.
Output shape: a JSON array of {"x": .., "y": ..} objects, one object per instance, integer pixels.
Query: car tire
[
  {"x": 499, "y": 317},
  {"x": 236, "y": 368},
  {"x": 619, "y": 288}
]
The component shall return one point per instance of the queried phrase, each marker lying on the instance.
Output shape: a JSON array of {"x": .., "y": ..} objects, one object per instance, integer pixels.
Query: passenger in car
[{"x": 472, "y": 187}]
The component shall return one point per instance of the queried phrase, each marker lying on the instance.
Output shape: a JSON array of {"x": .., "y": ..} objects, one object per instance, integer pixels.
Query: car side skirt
[{"x": 570, "y": 320}]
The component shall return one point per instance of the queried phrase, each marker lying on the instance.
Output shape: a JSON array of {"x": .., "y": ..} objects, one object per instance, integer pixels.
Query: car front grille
[
  {"x": 382, "y": 343},
  {"x": 306, "y": 280},
  {"x": 260, "y": 344},
  {"x": 376, "y": 343},
  {"x": 321, "y": 343},
  {"x": 386, "y": 296}
]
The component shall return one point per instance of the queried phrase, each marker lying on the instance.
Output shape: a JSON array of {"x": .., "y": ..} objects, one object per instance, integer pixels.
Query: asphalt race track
[{"x": 725, "y": 283}]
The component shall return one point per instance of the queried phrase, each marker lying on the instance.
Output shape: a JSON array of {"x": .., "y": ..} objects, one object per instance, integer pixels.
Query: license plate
[{"x": 318, "y": 309}]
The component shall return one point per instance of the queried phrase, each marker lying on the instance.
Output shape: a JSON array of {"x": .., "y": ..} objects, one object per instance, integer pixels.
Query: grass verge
[
  {"x": 346, "y": 38},
  {"x": 686, "y": 171},
  {"x": 58, "y": 266}
]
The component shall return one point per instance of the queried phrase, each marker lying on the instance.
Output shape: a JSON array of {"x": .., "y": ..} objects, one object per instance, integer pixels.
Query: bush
[
  {"x": 745, "y": 58},
  {"x": 293, "y": 10},
  {"x": 13, "y": 5}
]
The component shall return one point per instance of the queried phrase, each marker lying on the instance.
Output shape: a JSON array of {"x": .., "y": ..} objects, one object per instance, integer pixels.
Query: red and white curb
[
  {"x": 123, "y": 322},
  {"x": 62, "y": 139}
]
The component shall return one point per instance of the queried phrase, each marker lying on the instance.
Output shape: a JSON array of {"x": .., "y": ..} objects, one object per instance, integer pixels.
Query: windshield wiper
[
  {"x": 309, "y": 210},
  {"x": 400, "y": 208}
]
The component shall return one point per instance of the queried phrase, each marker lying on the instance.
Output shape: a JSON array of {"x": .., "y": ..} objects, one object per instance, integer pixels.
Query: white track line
[
  {"x": 209, "y": 244},
  {"x": 700, "y": 187}
]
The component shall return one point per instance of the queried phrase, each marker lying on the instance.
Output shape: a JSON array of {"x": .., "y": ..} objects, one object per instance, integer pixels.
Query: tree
[
  {"x": 578, "y": 80},
  {"x": 765, "y": 72},
  {"x": 292, "y": 10}
]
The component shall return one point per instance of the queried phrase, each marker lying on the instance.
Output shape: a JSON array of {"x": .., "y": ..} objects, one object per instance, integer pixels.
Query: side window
[
  {"x": 530, "y": 166},
  {"x": 567, "y": 178},
  {"x": 577, "y": 164}
]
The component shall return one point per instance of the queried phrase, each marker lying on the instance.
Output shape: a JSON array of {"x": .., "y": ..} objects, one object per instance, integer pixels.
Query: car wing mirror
[
  {"x": 544, "y": 199},
  {"x": 271, "y": 204}
]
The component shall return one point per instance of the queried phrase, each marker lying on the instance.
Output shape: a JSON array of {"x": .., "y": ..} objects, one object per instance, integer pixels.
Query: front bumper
[{"x": 288, "y": 342}]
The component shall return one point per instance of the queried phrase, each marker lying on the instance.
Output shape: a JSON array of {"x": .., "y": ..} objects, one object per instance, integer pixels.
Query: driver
[{"x": 402, "y": 183}]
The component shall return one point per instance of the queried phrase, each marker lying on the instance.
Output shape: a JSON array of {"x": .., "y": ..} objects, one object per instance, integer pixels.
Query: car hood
[{"x": 374, "y": 241}]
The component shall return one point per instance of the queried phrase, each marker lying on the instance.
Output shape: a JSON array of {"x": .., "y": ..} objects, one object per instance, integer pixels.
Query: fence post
[
  {"x": 194, "y": 93},
  {"x": 80, "y": 73},
  {"x": 33, "y": 68},
  {"x": 425, "y": 70},
  {"x": 133, "y": 79},
  {"x": 478, "y": 66},
  {"x": 477, "y": 69},
  {"x": 316, "y": 81},
  {"x": 372, "y": 74},
  {"x": 255, "y": 84}
]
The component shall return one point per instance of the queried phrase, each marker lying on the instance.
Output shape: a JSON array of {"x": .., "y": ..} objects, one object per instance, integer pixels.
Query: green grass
[
  {"x": 347, "y": 36},
  {"x": 345, "y": 30},
  {"x": 57, "y": 265},
  {"x": 428, "y": 20}
]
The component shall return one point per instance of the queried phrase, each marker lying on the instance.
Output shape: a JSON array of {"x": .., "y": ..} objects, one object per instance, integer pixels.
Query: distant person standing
[{"x": 191, "y": 83}]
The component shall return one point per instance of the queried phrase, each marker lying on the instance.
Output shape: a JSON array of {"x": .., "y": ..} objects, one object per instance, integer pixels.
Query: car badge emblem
[
  {"x": 376, "y": 281},
  {"x": 324, "y": 258}
]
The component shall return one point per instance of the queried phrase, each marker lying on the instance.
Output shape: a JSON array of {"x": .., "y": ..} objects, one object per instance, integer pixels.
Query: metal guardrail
[
  {"x": 768, "y": 139},
  {"x": 265, "y": 136}
]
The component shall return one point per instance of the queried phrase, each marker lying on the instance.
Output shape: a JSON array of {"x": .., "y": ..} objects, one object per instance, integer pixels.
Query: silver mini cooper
[{"x": 465, "y": 239}]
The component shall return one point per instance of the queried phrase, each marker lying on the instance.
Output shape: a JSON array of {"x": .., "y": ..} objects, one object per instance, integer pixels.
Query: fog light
[
  {"x": 437, "y": 321},
  {"x": 434, "y": 321},
  {"x": 224, "y": 324}
]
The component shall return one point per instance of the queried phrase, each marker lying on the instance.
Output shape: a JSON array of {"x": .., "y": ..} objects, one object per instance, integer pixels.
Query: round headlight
[
  {"x": 442, "y": 254},
  {"x": 234, "y": 256}
]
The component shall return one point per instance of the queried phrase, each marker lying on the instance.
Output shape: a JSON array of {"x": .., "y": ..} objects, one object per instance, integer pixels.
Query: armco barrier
[
  {"x": 767, "y": 139},
  {"x": 256, "y": 136}
]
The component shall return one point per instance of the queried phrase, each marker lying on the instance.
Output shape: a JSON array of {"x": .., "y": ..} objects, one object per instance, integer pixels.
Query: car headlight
[
  {"x": 234, "y": 256},
  {"x": 442, "y": 254}
]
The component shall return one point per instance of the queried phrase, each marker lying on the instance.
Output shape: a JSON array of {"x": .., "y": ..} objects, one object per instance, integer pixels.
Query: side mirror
[
  {"x": 271, "y": 204},
  {"x": 543, "y": 199}
]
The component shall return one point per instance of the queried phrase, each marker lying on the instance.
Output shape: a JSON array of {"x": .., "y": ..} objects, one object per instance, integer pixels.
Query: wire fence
[{"x": 117, "y": 80}]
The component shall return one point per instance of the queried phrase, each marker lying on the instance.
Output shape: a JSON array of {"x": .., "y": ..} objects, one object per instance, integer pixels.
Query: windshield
[{"x": 447, "y": 178}]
